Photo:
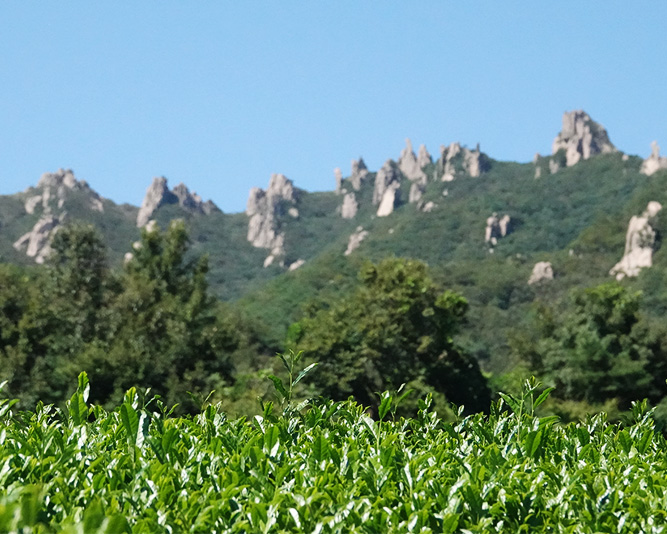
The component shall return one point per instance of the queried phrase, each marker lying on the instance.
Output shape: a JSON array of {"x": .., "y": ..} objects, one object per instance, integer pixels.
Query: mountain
[{"x": 504, "y": 234}]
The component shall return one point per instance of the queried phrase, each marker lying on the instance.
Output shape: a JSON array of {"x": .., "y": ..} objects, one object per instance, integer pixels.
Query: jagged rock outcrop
[
  {"x": 416, "y": 192},
  {"x": 496, "y": 228},
  {"x": 457, "y": 160},
  {"x": 53, "y": 189},
  {"x": 355, "y": 240},
  {"x": 639, "y": 242},
  {"x": 264, "y": 209},
  {"x": 158, "y": 194},
  {"x": 386, "y": 193},
  {"x": 294, "y": 266},
  {"x": 654, "y": 162},
  {"x": 542, "y": 271},
  {"x": 338, "y": 175},
  {"x": 359, "y": 172},
  {"x": 409, "y": 165},
  {"x": 350, "y": 206},
  {"x": 581, "y": 138},
  {"x": 423, "y": 157},
  {"x": 37, "y": 242}
]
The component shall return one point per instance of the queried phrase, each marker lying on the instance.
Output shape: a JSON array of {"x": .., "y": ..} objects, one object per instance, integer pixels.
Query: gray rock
[
  {"x": 263, "y": 209},
  {"x": 386, "y": 193},
  {"x": 350, "y": 206},
  {"x": 455, "y": 160},
  {"x": 338, "y": 175},
  {"x": 542, "y": 271},
  {"x": 158, "y": 194},
  {"x": 581, "y": 138},
  {"x": 639, "y": 242},
  {"x": 355, "y": 240},
  {"x": 654, "y": 162},
  {"x": 423, "y": 157},
  {"x": 416, "y": 192},
  {"x": 359, "y": 172},
  {"x": 496, "y": 228},
  {"x": 294, "y": 266},
  {"x": 53, "y": 189},
  {"x": 37, "y": 242},
  {"x": 409, "y": 165}
]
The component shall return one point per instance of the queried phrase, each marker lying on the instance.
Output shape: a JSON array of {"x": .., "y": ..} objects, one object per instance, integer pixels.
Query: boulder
[
  {"x": 496, "y": 228},
  {"x": 542, "y": 271},
  {"x": 355, "y": 240},
  {"x": 350, "y": 206},
  {"x": 654, "y": 162},
  {"x": 386, "y": 192},
  {"x": 581, "y": 138},
  {"x": 416, "y": 192},
  {"x": 639, "y": 242}
]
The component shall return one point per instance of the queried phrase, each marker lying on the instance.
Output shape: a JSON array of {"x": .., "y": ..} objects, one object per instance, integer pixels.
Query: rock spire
[{"x": 581, "y": 138}]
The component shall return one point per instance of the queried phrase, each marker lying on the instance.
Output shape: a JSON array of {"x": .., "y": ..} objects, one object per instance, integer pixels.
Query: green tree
[
  {"x": 165, "y": 330},
  {"x": 600, "y": 348},
  {"x": 396, "y": 327}
]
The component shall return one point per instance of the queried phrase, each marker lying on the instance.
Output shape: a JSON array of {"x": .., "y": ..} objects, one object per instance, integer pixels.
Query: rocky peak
[
  {"x": 409, "y": 164},
  {"x": 359, "y": 172},
  {"x": 158, "y": 194},
  {"x": 654, "y": 162},
  {"x": 53, "y": 189},
  {"x": 456, "y": 160},
  {"x": 386, "y": 193},
  {"x": 423, "y": 157},
  {"x": 264, "y": 209},
  {"x": 639, "y": 242},
  {"x": 581, "y": 138}
]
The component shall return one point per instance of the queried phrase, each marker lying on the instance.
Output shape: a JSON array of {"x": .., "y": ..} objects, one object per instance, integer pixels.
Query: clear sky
[{"x": 221, "y": 94}]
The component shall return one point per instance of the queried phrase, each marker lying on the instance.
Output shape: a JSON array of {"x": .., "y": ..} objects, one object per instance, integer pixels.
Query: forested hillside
[{"x": 430, "y": 271}]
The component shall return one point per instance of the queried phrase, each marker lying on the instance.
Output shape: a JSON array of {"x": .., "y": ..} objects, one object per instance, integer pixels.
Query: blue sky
[{"x": 220, "y": 95}]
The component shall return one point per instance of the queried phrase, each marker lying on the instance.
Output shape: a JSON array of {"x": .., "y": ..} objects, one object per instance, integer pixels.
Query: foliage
[
  {"x": 396, "y": 327},
  {"x": 328, "y": 469},
  {"x": 599, "y": 348}
]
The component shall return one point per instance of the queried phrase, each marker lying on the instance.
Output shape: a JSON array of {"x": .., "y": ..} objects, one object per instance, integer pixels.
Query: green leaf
[
  {"x": 645, "y": 440},
  {"x": 84, "y": 386},
  {"x": 272, "y": 440},
  {"x": 130, "y": 419},
  {"x": 385, "y": 404},
  {"x": 278, "y": 384},
  {"x": 511, "y": 402},
  {"x": 304, "y": 372},
  {"x": 320, "y": 448},
  {"x": 78, "y": 410},
  {"x": 543, "y": 396}
]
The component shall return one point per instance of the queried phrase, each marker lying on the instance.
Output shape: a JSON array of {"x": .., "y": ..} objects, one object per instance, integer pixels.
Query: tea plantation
[{"x": 326, "y": 467}]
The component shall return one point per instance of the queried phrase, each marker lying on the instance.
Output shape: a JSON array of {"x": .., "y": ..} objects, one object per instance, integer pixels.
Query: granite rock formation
[
  {"x": 355, "y": 240},
  {"x": 639, "y": 243},
  {"x": 350, "y": 206},
  {"x": 456, "y": 160},
  {"x": 37, "y": 242},
  {"x": 409, "y": 164},
  {"x": 158, "y": 194},
  {"x": 53, "y": 189},
  {"x": 386, "y": 193},
  {"x": 264, "y": 209},
  {"x": 496, "y": 228},
  {"x": 542, "y": 271},
  {"x": 581, "y": 138},
  {"x": 654, "y": 162}
]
